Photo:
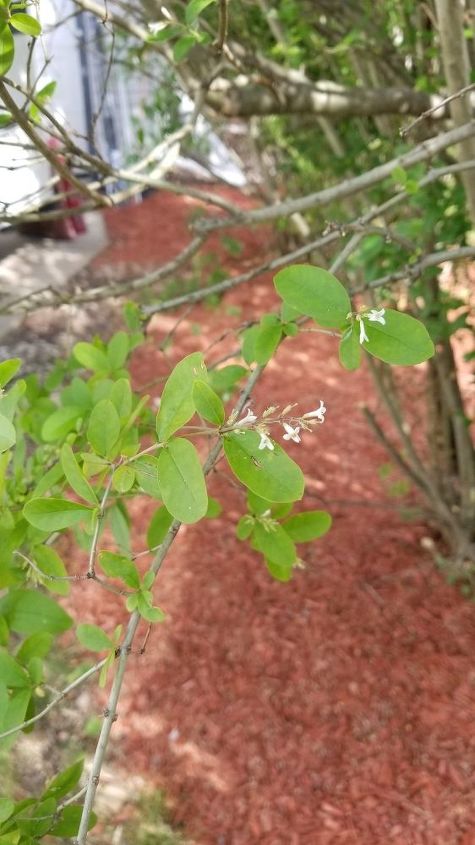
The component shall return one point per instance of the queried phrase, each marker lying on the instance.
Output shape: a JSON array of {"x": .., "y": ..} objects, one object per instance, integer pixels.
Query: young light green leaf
[
  {"x": 75, "y": 477},
  {"x": 104, "y": 427},
  {"x": 54, "y": 514},
  {"x": 8, "y": 369},
  {"x": 207, "y": 403},
  {"x": 314, "y": 292},
  {"x": 177, "y": 406},
  {"x": 48, "y": 560},
  {"x": 42, "y": 96},
  {"x": 266, "y": 338},
  {"x": 121, "y": 397},
  {"x": 303, "y": 527},
  {"x": 278, "y": 571},
  {"x": 158, "y": 528},
  {"x": 36, "y": 645},
  {"x": 69, "y": 819},
  {"x": 350, "y": 348},
  {"x": 223, "y": 380},
  {"x": 149, "y": 613},
  {"x": 117, "y": 350},
  {"x": 182, "y": 47},
  {"x": 26, "y": 24},
  {"x": 274, "y": 544},
  {"x": 60, "y": 423},
  {"x": 65, "y": 781},
  {"x": 93, "y": 638},
  {"x": 91, "y": 357},
  {"x": 7, "y": 807},
  {"x": 120, "y": 525},
  {"x": 118, "y": 566},
  {"x": 11, "y": 673},
  {"x": 31, "y": 612},
  {"x": 214, "y": 508},
  {"x": 182, "y": 482},
  {"x": 194, "y": 9},
  {"x": 245, "y": 527},
  {"x": 123, "y": 479},
  {"x": 402, "y": 340},
  {"x": 146, "y": 471},
  {"x": 7, "y": 49},
  {"x": 7, "y": 434},
  {"x": 270, "y": 474},
  {"x": 248, "y": 347}
]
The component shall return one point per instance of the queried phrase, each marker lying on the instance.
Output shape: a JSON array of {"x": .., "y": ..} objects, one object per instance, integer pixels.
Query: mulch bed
[{"x": 335, "y": 709}]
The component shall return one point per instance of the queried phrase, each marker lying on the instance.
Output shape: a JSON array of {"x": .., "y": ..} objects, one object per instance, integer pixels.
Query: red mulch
[{"x": 339, "y": 708}]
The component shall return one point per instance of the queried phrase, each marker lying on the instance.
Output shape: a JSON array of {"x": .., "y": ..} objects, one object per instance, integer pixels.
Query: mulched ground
[{"x": 338, "y": 708}]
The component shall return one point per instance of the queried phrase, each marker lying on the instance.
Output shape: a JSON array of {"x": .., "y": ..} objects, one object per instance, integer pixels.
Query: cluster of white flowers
[
  {"x": 374, "y": 316},
  {"x": 292, "y": 431}
]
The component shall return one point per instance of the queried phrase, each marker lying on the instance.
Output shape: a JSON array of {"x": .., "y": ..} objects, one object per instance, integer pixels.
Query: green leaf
[
  {"x": 146, "y": 471},
  {"x": 7, "y": 434},
  {"x": 177, "y": 406},
  {"x": 30, "y": 612},
  {"x": 303, "y": 527},
  {"x": 121, "y": 397},
  {"x": 65, "y": 781},
  {"x": 194, "y": 9},
  {"x": 182, "y": 482},
  {"x": 54, "y": 514},
  {"x": 245, "y": 527},
  {"x": 117, "y": 350},
  {"x": 183, "y": 46},
  {"x": 249, "y": 344},
  {"x": 402, "y": 341},
  {"x": 104, "y": 428},
  {"x": 6, "y": 809},
  {"x": 207, "y": 403},
  {"x": 77, "y": 394},
  {"x": 68, "y": 825},
  {"x": 278, "y": 571},
  {"x": 41, "y": 98},
  {"x": 119, "y": 522},
  {"x": 11, "y": 673},
  {"x": 223, "y": 380},
  {"x": 37, "y": 645},
  {"x": 274, "y": 543},
  {"x": 75, "y": 477},
  {"x": 350, "y": 349},
  {"x": 266, "y": 338},
  {"x": 8, "y": 369},
  {"x": 91, "y": 358},
  {"x": 60, "y": 423},
  {"x": 118, "y": 566},
  {"x": 93, "y": 638},
  {"x": 151, "y": 614},
  {"x": 50, "y": 563},
  {"x": 259, "y": 506},
  {"x": 5, "y": 119},
  {"x": 158, "y": 528},
  {"x": 123, "y": 479},
  {"x": 314, "y": 292},
  {"x": 270, "y": 474},
  {"x": 7, "y": 50},
  {"x": 49, "y": 479},
  {"x": 26, "y": 24},
  {"x": 214, "y": 508}
]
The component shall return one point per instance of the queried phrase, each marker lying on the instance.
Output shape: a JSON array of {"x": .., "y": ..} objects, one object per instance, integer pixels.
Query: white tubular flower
[
  {"x": 376, "y": 316},
  {"x": 318, "y": 413},
  {"x": 266, "y": 442},
  {"x": 247, "y": 420},
  {"x": 292, "y": 433},
  {"x": 363, "y": 335}
]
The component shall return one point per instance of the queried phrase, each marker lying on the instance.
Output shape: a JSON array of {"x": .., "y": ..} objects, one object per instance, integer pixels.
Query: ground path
[{"x": 338, "y": 708}]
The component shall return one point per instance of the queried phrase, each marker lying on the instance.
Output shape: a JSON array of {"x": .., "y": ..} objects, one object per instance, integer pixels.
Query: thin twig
[{"x": 440, "y": 105}]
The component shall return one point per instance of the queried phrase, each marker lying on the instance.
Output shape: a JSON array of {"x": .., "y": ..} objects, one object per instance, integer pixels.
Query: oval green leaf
[
  {"x": 26, "y": 24},
  {"x": 54, "y": 514},
  {"x": 350, "y": 349},
  {"x": 7, "y": 434},
  {"x": 104, "y": 427},
  {"x": 7, "y": 49},
  {"x": 176, "y": 405},
  {"x": 303, "y": 527},
  {"x": 402, "y": 340},
  {"x": 207, "y": 403},
  {"x": 93, "y": 638},
  {"x": 314, "y": 292},
  {"x": 182, "y": 482},
  {"x": 274, "y": 543},
  {"x": 75, "y": 477},
  {"x": 270, "y": 474}
]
